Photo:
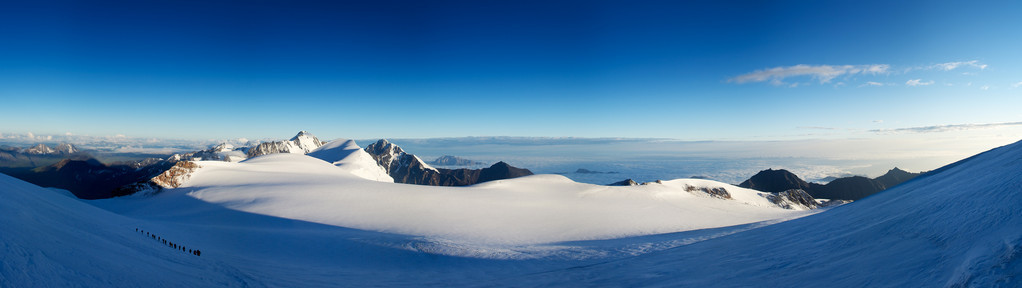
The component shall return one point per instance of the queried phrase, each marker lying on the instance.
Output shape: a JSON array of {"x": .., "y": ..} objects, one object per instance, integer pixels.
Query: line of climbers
[{"x": 195, "y": 252}]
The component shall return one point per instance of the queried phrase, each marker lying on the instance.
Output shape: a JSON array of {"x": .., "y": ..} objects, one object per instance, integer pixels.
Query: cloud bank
[
  {"x": 945, "y": 128},
  {"x": 826, "y": 73},
  {"x": 822, "y": 73}
]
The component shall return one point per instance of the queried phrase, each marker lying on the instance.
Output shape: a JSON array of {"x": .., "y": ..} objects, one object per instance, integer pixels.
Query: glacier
[{"x": 300, "y": 220}]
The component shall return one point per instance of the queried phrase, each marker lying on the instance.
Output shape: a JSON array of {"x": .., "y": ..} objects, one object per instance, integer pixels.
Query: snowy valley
[{"x": 309, "y": 213}]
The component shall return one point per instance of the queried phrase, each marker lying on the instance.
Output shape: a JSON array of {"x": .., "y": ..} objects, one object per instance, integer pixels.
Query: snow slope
[
  {"x": 50, "y": 240},
  {"x": 346, "y": 154},
  {"x": 526, "y": 210},
  {"x": 288, "y": 219},
  {"x": 958, "y": 226}
]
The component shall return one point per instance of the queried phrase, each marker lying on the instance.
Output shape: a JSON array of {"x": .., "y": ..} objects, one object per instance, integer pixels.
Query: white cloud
[
  {"x": 918, "y": 82},
  {"x": 816, "y": 128},
  {"x": 30, "y": 135},
  {"x": 823, "y": 73},
  {"x": 1016, "y": 85},
  {"x": 777, "y": 76},
  {"x": 945, "y": 128},
  {"x": 878, "y": 121},
  {"x": 68, "y": 134},
  {"x": 985, "y": 87},
  {"x": 955, "y": 65}
]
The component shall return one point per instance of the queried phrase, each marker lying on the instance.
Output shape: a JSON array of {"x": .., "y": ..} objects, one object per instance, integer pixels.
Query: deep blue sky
[{"x": 674, "y": 69}]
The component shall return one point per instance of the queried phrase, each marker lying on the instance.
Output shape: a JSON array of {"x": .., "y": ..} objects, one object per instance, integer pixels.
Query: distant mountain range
[
  {"x": 36, "y": 156},
  {"x": 845, "y": 188},
  {"x": 66, "y": 167},
  {"x": 448, "y": 160},
  {"x": 88, "y": 178},
  {"x": 410, "y": 169}
]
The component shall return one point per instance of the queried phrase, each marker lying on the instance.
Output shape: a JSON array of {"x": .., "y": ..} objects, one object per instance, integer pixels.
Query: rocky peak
[
  {"x": 222, "y": 147},
  {"x": 390, "y": 156},
  {"x": 894, "y": 177},
  {"x": 66, "y": 148},
  {"x": 774, "y": 181},
  {"x": 303, "y": 143},
  {"x": 40, "y": 149},
  {"x": 501, "y": 170}
]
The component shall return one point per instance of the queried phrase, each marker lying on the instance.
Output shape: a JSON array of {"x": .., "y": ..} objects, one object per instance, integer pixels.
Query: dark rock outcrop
[
  {"x": 88, "y": 178},
  {"x": 626, "y": 182},
  {"x": 791, "y": 198},
  {"x": 172, "y": 177},
  {"x": 774, "y": 181},
  {"x": 895, "y": 176},
  {"x": 846, "y": 188},
  {"x": 717, "y": 192},
  {"x": 501, "y": 170}
]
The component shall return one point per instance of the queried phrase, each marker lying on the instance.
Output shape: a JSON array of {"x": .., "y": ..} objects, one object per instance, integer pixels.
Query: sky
[{"x": 690, "y": 70}]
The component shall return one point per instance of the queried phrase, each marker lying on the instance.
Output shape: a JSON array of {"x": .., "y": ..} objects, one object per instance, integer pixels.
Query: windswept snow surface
[
  {"x": 298, "y": 221},
  {"x": 958, "y": 226},
  {"x": 526, "y": 210},
  {"x": 50, "y": 240}
]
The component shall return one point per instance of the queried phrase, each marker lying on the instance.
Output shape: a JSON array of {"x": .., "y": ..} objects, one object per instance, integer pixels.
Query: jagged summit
[
  {"x": 410, "y": 169},
  {"x": 304, "y": 142},
  {"x": 66, "y": 148},
  {"x": 42, "y": 149}
]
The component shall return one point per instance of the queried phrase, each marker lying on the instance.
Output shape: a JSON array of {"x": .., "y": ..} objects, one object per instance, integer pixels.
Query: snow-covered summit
[
  {"x": 40, "y": 149},
  {"x": 392, "y": 158},
  {"x": 347, "y": 155},
  {"x": 304, "y": 142}
]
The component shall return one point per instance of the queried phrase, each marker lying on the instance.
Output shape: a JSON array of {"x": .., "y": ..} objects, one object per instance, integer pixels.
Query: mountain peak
[
  {"x": 300, "y": 134},
  {"x": 771, "y": 180},
  {"x": 304, "y": 142}
]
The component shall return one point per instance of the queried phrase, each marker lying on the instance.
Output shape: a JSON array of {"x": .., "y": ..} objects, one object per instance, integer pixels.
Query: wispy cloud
[
  {"x": 1016, "y": 85},
  {"x": 918, "y": 82},
  {"x": 816, "y": 128},
  {"x": 777, "y": 76},
  {"x": 945, "y": 128},
  {"x": 955, "y": 65},
  {"x": 822, "y": 73}
]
